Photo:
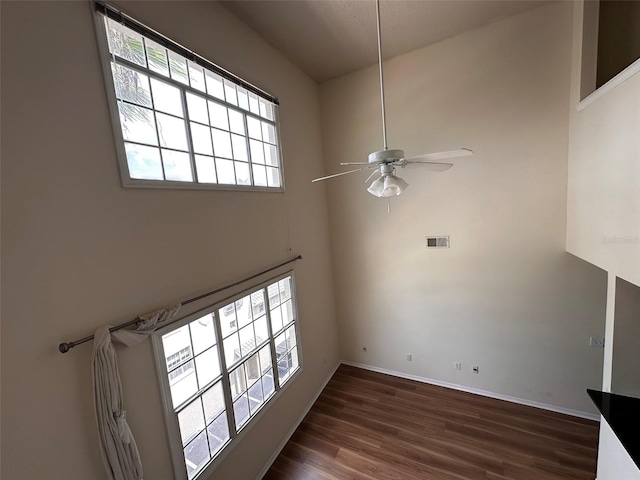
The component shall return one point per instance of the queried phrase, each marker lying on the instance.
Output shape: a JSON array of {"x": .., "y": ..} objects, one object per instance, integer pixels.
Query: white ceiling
[{"x": 328, "y": 38}]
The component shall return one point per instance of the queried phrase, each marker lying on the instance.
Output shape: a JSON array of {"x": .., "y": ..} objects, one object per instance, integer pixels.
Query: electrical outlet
[
  {"x": 475, "y": 368},
  {"x": 596, "y": 342},
  {"x": 408, "y": 357},
  {"x": 457, "y": 366},
  {"x": 364, "y": 349}
]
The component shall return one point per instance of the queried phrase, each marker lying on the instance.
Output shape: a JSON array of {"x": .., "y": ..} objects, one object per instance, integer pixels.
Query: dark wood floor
[{"x": 371, "y": 426}]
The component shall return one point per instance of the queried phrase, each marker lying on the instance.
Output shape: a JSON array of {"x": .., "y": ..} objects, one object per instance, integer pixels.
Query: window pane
[
  {"x": 294, "y": 359},
  {"x": 259, "y": 176},
  {"x": 226, "y": 173},
  {"x": 221, "y": 143},
  {"x": 206, "y": 169},
  {"x": 274, "y": 294},
  {"x": 265, "y": 358},
  {"x": 243, "y": 98},
  {"x": 271, "y": 155},
  {"x": 208, "y": 366},
  {"x": 213, "y": 402},
  {"x": 283, "y": 369},
  {"x": 157, "y": 57},
  {"x": 125, "y": 43},
  {"x": 214, "y": 85},
  {"x": 282, "y": 344},
  {"x": 260, "y": 327},
  {"x": 237, "y": 383},
  {"x": 218, "y": 434},
  {"x": 266, "y": 109},
  {"x": 241, "y": 411},
  {"x": 197, "y": 107},
  {"x": 196, "y": 455},
  {"x": 144, "y": 162},
  {"x": 171, "y": 132},
  {"x": 255, "y": 130},
  {"x": 243, "y": 311},
  {"x": 257, "y": 303},
  {"x": 253, "y": 103},
  {"x": 178, "y": 67},
  {"x": 201, "y": 139},
  {"x": 252, "y": 369},
  {"x": 203, "y": 334},
  {"x": 255, "y": 397},
  {"x": 138, "y": 124},
  {"x": 131, "y": 85},
  {"x": 287, "y": 312},
  {"x": 268, "y": 133},
  {"x": 196, "y": 76},
  {"x": 228, "y": 320},
  {"x": 285, "y": 288},
  {"x": 177, "y": 347},
  {"x": 239, "y": 147},
  {"x": 166, "y": 98},
  {"x": 268, "y": 387},
  {"x": 236, "y": 121},
  {"x": 230, "y": 92},
  {"x": 291, "y": 336},
  {"x": 191, "y": 421},
  {"x": 242, "y": 173},
  {"x": 257, "y": 152},
  {"x": 177, "y": 166},
  {"x": 232, "y": 349},
  {"x": 218, "y": 116},
  {"x": 273, "y": 177},
  {"x": 184, "y": 384},
  {"x": 247, "y": 340},
  {"x": 276, "y": 320}
]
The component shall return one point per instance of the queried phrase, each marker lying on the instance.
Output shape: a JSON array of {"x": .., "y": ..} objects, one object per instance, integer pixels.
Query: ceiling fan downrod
[{"x": 384, "y": 121}]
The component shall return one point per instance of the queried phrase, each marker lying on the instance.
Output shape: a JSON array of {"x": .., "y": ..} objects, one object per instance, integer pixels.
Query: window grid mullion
[
  {"x": 226, "y": 387},
  {"x": 272, "y": 341},
  {"x": 187, "y": 126},
  {"x": 246, "y": 141}
]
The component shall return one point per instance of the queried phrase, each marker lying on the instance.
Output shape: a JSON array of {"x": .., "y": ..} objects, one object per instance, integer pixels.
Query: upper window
[
  {"x": 219, "y": 367},
  {"x": 180, "y": 124}
]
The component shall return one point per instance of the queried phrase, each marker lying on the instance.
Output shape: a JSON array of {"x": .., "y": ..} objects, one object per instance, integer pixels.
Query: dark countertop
[{"x": 623, "y": 415}]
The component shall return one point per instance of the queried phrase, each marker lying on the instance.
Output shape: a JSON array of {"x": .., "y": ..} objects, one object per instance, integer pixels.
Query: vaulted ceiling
[{"x": 328, "y": 38}]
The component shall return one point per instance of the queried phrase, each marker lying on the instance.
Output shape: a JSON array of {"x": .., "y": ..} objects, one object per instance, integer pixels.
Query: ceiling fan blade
[
  {"x": 461, "y": 152},
  {"x": 340, "y": 174},
  {"x": 433, "y": 166},
  {"x": 355, "y": 163}
]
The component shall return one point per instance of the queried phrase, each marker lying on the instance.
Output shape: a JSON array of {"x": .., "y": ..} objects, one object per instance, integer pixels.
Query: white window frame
[
  {"x": 171, "y": 413},
  {"x": 127, "y": 181}
]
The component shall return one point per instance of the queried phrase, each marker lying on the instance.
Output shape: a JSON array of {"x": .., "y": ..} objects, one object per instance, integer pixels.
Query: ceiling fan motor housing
[{"x": 386, "y": 156}]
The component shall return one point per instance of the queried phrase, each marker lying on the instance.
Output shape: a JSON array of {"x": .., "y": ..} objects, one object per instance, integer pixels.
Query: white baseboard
[
  {"x": 477, "y": 391},
  {"x": 295, "y": 426}
]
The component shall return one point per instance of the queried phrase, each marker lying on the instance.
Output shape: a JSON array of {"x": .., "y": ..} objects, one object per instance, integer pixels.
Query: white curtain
[{"x": 117, "y": 445}]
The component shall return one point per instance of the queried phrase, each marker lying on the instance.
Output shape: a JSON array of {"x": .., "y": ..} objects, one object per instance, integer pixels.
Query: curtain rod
[{"x": 65, "y": 347}]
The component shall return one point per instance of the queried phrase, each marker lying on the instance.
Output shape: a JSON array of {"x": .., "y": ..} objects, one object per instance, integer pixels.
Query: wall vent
[{"x": 437, "y": 242}]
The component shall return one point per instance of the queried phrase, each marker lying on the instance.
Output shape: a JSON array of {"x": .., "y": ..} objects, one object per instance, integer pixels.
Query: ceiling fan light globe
[
  {"x": 393, "y": 186},
  {"x": 376, "y": 187}
]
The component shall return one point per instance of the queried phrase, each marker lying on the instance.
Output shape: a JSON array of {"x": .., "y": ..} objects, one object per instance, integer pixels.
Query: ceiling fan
[{"x": 385, "y": 162}]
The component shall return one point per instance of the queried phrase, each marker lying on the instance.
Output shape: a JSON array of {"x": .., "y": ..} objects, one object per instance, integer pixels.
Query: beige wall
[
  {"x": 505, "y": 296},
  {"x": 79, "y": 251}
]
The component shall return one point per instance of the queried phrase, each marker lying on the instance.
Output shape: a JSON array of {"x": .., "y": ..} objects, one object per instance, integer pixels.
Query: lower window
[{"x": 219, "y": 367}]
